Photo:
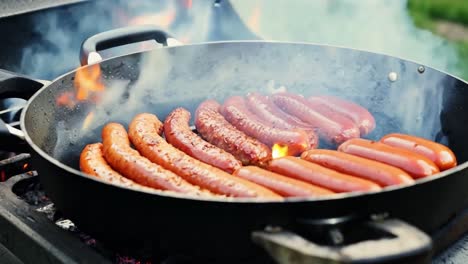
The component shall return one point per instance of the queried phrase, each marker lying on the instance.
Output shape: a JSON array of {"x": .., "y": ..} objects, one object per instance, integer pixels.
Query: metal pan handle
[
  {"x": 405, "y": 241},
  {"x": 122, "y": 36},
  {"x": 13, "y": 85}
]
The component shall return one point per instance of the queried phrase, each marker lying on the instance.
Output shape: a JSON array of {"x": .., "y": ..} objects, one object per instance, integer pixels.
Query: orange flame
[
  {"x": 25, "y": 166},
  {"x": 254, "y": 19},
  {"x": 88, "y": 79},
  {"x": 66, "y": 99},
  {"x": 87, "y": 121},
  {"x": 278, "y": 151}
]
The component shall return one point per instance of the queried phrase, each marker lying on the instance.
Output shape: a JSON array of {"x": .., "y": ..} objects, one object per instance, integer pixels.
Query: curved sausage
[
  {"x": 215, "y": 129},
  {"x": 442, "y": 156},
  {"x": 320, "y": 176},
  {"x": 272, "y": 115},
  {"x": 416, "y": 165},
  {"x": 236, "y": 112},
  {"x": 128, "y": 162},
  {"x": 330, "y": 130},
  {"x": 143, "y": 134},
  {"x": 358, "y": 114},
  {"x": 285, "y": 186},
  {"x": 179, "y": 134},
  {"x": 93, "y": 163},
  {"x": 381, "y": 173}
]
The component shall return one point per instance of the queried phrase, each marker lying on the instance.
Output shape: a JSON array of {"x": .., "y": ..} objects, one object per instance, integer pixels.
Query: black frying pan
[{"x": 404, "y": 96}]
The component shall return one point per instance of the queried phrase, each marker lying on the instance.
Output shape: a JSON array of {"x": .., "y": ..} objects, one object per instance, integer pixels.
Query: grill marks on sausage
[
  {"x": 93, "y": 163},
  {"x": 128, "y": 162},
  {"x": 273, "y": 116},
  {"x": 214, "y": 128},
  {"x": 179, "y": 134},
  {"x": 143, "y": 134},
  {"x": 236, "y": 112},
  {"x": 331, "y": 130}
]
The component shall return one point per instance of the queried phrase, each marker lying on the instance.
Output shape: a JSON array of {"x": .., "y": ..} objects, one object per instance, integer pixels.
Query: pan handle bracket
[{"x": 397, "y": 242}]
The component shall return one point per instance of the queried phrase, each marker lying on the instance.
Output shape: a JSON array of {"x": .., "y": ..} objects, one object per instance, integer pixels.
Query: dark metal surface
[
  {"x": 17, "y": 7},
  {"x": 56, "y": 135}
]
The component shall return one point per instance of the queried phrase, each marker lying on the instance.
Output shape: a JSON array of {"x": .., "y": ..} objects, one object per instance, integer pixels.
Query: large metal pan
[{"x": 404, "y": 96}]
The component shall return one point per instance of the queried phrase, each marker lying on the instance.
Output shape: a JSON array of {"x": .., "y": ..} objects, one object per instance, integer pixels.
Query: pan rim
[{"x": 239, "y": 200}]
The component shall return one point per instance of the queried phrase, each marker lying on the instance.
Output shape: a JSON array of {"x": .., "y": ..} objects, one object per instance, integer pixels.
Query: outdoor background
[{"x": 432, "y": 32}]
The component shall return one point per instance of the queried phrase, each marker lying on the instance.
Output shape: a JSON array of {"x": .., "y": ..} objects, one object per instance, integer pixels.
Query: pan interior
[{"x": 403, "y": 96}]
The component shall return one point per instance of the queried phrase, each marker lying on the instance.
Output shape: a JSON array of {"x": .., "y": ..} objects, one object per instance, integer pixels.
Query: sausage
[
  {"x": 272, "y": 115},
  {"x": 128, "y": 162},
  {"x": 380, "y": 173},
  {"x": 236, "y": 112},
  {"x": 358, "y": 114},
  {"x": 215, "y": 129},
  {"x": 441, "y": 155},
  {"x": 298, "y": 106},
  {"x": 416, "y": 165},
  {"x": 285, "y": 186},
  {"x": 143, "y": 132},
  {"x": 179, "y": 134},
  {"x": 320, "y": 176},
  {"x": 93, "y": 163}
]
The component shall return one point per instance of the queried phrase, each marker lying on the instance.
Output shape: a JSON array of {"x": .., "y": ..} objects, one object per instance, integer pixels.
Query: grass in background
[{"x": 426, "y": 13}]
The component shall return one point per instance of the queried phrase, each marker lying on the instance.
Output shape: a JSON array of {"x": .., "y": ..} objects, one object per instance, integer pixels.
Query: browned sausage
[
  {"x": 381, "y": 173},
  {"x": 416, "y": 165},
  {"x": 285, "y": 186},
  {"x": 131, "y": 164},
  {"x": 442, "y": 156},
  {"x": 143, "y": 134},
  {"x": 93, "y": 163},
  {"x": 179, "y": 134},
  {"x": 236, "y": 112},
  {"x": 330, "y": 130},
  {"x": 215, "y": 129},
  {"x": 361, "y": 117},
  {"x": 321, "y": 176},
  {"x": 273, "y": 116}
]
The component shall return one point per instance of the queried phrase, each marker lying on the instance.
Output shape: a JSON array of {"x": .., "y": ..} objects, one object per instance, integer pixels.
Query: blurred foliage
[
  {"x": 425, "y": 14},
  {"x": 452, "y": 10}
]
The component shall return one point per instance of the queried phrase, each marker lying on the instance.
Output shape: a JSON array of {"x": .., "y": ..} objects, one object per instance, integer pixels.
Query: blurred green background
[{"x": 447, "y": 18}]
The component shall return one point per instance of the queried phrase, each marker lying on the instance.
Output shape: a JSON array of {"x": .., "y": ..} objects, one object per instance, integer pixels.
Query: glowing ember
[
  {"x": 87, "y": 121},
  {"x": 2, "y": 176},
  {"x": 88, "y": 79},
  {"x": 278, "y": 151},
  {"x": 25, "y": 166}
]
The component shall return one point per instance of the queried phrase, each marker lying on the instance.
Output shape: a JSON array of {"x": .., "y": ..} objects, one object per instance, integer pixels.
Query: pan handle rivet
[
  {"x": 421, "y": 69},
  {"x": 392, "y": 76}
]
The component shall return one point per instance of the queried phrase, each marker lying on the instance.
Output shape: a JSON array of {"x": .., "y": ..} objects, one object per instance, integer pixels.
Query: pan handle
[
  {"x": 122, "y": 36},
  {"x": 391, "y": 241}
]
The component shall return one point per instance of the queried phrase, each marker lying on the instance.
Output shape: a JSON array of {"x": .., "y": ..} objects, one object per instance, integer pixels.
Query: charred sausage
[
  {"x": 215, "y": 129},
  {"x": 179, "y": 134},
  {"x": 298, "y": 106},
  {"x": 285, "y": 186},
  {"x": 381, "y": 173},
  {"x": 143, "y": 132},
  {"x": 415, "y": 164},
  {"x": 272, "y": 115},
  {"x": 358, "y": 114},
  {"x": 236, "y": 112},
  {"x": 93, "y": 163},
  {"x": 128, "y": 162},
  {"x": 320, "y": 176},
  {"x": 442, "y": 156}
]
